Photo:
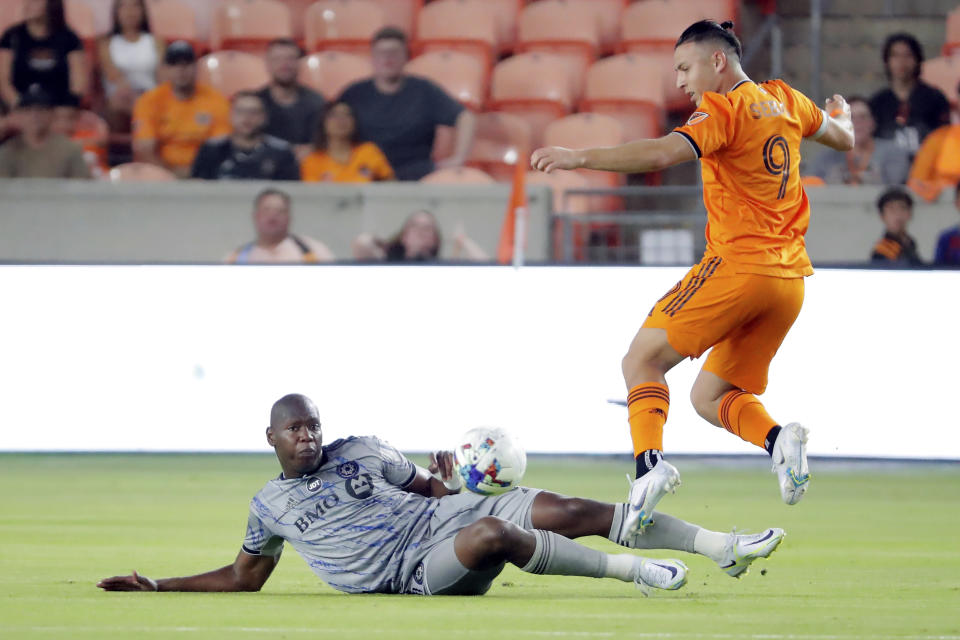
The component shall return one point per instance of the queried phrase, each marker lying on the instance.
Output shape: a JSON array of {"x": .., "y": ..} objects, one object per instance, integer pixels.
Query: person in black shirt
[
  {"x": 247, "y": 153},
  {"x": 400, "y": 113},
  {"x": 293, "y": 110},
  {"x": 908, "y": 109},
  {"x": 42, "y": 51},
  {"x": 896, "y": 247}
]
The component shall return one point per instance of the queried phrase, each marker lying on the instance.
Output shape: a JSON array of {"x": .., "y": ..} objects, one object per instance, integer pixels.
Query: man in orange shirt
[
  {"x": 171, "y": 122},
  {"x": 746, "y": 292}
]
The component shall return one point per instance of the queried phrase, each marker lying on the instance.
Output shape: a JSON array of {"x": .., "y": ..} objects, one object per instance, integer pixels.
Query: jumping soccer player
[
  {"x": 747, "y": 291},
  {"x": 366, "y": 519}
]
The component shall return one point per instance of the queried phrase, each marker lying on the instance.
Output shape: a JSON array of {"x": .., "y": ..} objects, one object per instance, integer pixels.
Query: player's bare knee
[{"x": 492, "y": 535}]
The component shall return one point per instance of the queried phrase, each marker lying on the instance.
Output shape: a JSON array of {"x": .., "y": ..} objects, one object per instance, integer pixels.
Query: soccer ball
[{"x": 489, "y": 461}]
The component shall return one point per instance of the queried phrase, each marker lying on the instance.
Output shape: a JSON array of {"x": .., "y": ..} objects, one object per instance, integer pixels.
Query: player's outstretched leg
[
  {"x": 576, "y": 517},
  {"x": 491, "y": 541},
  {"x": 742, "y": 414},
  {"x": 647, "y": 361}
]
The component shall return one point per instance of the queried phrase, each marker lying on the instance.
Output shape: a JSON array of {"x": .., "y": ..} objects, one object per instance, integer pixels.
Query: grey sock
[
  {"x": 559, "y": 556},
  {"x": 666, "y": 532}
]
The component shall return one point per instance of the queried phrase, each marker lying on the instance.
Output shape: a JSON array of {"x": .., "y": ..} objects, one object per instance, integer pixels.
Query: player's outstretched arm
[
  {"x": 838, "y": 131},
  {"x": 247, "y": 573},
  {"x": 439, "y": 479},
  {"x": 640, "y": 156}
]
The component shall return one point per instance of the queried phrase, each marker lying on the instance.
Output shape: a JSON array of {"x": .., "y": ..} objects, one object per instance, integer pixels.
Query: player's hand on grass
[
  {"x": 837, "y": 106},
  {"x": 548, "y": 159},
  {"x": 134, "y": 582}
]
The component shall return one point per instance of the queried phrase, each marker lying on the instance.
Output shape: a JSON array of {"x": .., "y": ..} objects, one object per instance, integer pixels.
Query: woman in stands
[
  {"x": 338, "y": 154},
  {"x": 419, "y": 240},
  {"x": 129, "y": 57},
  {"x": 41, "y": 50}
]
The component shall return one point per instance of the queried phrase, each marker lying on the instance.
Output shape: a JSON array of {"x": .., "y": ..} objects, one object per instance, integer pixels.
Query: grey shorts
[{"x": 432, "y": 567}]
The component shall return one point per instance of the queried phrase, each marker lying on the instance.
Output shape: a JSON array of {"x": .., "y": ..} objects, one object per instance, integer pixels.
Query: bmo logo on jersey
[{"x": 360, "y": 486}]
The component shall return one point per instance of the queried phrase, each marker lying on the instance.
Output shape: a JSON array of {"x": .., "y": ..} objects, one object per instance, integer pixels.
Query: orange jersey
[
  {"x": 748, "y": 142},
  {"x": 367, "y": 163},
  {"x": 180, "y": 127}
]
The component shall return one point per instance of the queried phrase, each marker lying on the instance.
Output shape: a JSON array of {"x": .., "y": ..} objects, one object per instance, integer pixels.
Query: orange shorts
[{"x": 743, "y": 316}]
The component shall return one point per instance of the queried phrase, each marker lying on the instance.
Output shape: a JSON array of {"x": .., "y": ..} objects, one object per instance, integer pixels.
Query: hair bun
[{"x": 727, "y": 25}]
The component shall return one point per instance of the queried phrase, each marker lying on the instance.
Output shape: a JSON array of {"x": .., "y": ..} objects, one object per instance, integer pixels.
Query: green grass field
[{"x": 870, "y": 553}]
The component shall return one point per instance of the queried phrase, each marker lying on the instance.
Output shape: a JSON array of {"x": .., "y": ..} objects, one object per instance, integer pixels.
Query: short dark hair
[
  {"x": 894, "y": 194},
  {"x": 320, "y": 141},
  {"x": 144, "y": 22},
  {"x": 270, "y": 191},
  {"x": 246, "y": 93},
  {"x": 285, "y": 42},
  {"x": 908, "y": 40},
  {"x": 707, "y": 30},
  {"x": 390, "y": 33}
]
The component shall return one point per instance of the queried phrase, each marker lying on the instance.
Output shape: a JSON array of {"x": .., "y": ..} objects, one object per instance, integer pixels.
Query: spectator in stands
[
  {"x": 38, "y": 152},
  {"x": 948, "y": 245},
  {"x": 129, "y": 57},
  {"x": 419, "y": 240},
  {"x": 275, "y": 243},
  {"x": 400, "y": 113},
  {"x": 908, "y": 109},
  {"x": 871, "y": 161},
  {"x": 339, "y": 155},
  {"x": 937, "y": 163},
  {"x": 896, "y": 246},
  {"x": 68, "y": 122},
  {"x": 293, "y": 110},
  {"x": 247, "y": 153},
  {"x": 172, "y": 121},
  {"x": 42, "y": 50}
]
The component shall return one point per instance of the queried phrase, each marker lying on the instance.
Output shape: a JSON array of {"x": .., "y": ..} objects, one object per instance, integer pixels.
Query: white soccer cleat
[
  {"x": 790, "y": 462},
  {"x": 741, "y": 550},
  {"x": 658, "y": 574},
  {"x": 645, "y": 492}
]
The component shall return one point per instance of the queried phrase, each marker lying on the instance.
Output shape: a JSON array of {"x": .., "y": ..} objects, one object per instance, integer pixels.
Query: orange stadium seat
[
  {"x": 10, "y": 14},
  {"x": 609, "y": 14},
  {"x": 298, "y": 9},
  {"x": 140, "y": 172},
  {"x": 626, "y": 88},
  {"x": 501, "y": 140},
  {"x": 506, "y": 14},
  {"x": 467, "y": 26},
  {"x": 81, "y": 18},
  {"x": 566, "y": 28},
  {"x": 952, "y": 43},
  {"x": 342, "y": 25},
  {"x": 560, "y": 182},
  {"x": 248, "y": 25},
  {"x": 460, "y": 75},
  {"x": 534, "y": 86},
  {"x": 590, "y": 130},
  {"x": 232, "y": 71},
  {"x": 174, "y": 20},
  {"x": 457, "y": 175},
  {"x": 402, "y": 14},
  {"x": 330, "y": 72},
  {"x": 944, "y": 74}
]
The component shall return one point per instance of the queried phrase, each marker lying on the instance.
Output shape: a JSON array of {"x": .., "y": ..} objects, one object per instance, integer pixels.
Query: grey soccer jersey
[{"x": 351, "y": 520}]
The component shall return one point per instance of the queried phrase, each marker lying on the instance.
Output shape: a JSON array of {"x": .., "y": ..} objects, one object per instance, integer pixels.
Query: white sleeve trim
[{"x": 823, "y": 126}]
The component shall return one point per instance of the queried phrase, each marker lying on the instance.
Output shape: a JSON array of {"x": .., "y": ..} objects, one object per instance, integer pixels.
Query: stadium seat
[
  {"x": 232, "y": 71},
  {"x": 461, "y": 75},
  {"x": 501, "y": 140},
  {"x": 81, "y": 19},
  {"x": 609, "y": 14},
  {"x": 534, "y": 86},
  {"x": 402, "y": 14},
  {"x": 342, "y": 25},
  {"x": 626, "y": 88},
  {"x": 140, "y": 172},
  {"x": 174, "y": 20},
  {"x": 506, "y": 15},
  {"x": 330, "y": 72},
  {"x": 10, "y": 14},
  {"x": 298, "y": 11},
  {"x": 590, "y": 130},
  {"x": 944, "y": 74},
  {"x": 952, "y": 43},
  {"x": 560, "y": 182},
  {"x": 467, "y": 26},
  {"x": 248, "y": 25},
  {"x": 457, "y": 175},
  {"x": 566, "y": 28}
]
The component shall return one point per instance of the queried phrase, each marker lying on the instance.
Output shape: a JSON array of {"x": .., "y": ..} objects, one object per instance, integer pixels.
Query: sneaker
[
  {"x": 658, "y": 574},
  {"x": 645, "y": 492},
  {"x": 790, "y": 462},
  {"x": 741, "y": 550}
]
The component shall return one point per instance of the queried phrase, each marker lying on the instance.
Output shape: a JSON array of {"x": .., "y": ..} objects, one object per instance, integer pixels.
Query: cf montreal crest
[
  {"x": 348, "y": 469},
  {"x": 360, "y": 487},
  {"x": 314, "y": 484}
]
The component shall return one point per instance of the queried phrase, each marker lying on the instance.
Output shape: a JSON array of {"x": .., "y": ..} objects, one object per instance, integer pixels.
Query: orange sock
[
  {"x": 648, "y": 404},
  {"x": 743, "y": 415}
]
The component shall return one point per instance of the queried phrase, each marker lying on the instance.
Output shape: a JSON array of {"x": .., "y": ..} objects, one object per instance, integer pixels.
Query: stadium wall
[
  {"x": 191, "y": 358},
  {"x": 200, "y": 222}
]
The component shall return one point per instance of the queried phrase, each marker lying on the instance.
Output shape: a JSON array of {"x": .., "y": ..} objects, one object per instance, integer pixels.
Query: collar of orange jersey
[{"x": 734, "y": 87}]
